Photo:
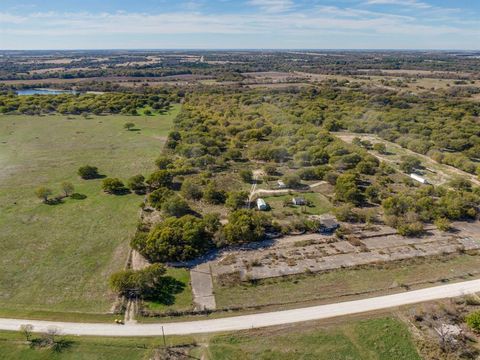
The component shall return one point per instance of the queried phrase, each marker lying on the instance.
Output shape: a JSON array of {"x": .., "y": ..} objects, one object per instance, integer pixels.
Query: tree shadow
[
  {"x": 121, "y": 192},
  {"x": 77, "y": 196},
  {"x": 62, "y": 345},
  {"x": 95, "y": 177},
  {"x": 56, "y": 344},
  {"x": 165, "y": 292},
  {"x": 54, "y": 201}
]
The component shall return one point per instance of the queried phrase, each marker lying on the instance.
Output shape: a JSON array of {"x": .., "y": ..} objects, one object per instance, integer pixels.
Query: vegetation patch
[
  {"x": 58, "y": 258},
  {"x": 382, "y": 339}
]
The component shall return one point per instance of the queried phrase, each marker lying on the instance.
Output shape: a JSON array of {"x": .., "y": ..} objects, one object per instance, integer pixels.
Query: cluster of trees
[
  {"x": 44, "y": 193},
  {"x": 150, "y": 283},
  {"x": 188, "y": 237},
  {"x": 408, "y": 212},
  {"x": 108, "y": 103},
  {"x": 177, "y": 239},
  {"x": 229, "y": 65},
  {"x": 222, "y": 129}
]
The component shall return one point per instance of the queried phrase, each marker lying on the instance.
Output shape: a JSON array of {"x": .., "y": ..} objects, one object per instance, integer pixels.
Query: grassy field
[
  {"x": 339, "y": 283},
  {"x": 183, "y": 300},
  {"x": 14, "y": 346},
  {"x": 319, "y": 204},
  {"x": 375, "y": 339},
  {"x": 58, "y": 257}
]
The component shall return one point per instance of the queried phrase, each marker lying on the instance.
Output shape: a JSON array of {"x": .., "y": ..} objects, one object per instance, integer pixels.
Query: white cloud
[
  {"x": 279, "y": 22},
  {"x": 6, "y": 18},
  {"x": 407, "y": 3},
  {"x": 313, "y": 23},
  {"x": 273, "y": 6}
]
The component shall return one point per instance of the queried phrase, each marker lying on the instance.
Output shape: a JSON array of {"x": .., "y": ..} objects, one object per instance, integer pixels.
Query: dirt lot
[{"x": 315, "y": 252}]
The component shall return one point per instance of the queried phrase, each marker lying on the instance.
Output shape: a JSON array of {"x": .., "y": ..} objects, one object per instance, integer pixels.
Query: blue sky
[{"x": 240, "y": 24}]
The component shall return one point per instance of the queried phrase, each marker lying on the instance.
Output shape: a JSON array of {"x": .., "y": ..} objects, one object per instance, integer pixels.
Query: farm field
[
  {"x": 58, "y": 257},
  {"x": 377, "y": 338},
  {"x": 14, "y": 346},
  {"x": 381, "y": 338},
  {"x": 275, "y": 79}
]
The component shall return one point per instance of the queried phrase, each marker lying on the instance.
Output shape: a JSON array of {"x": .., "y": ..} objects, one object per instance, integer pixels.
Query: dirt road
[{"x": 253, "y": 320}]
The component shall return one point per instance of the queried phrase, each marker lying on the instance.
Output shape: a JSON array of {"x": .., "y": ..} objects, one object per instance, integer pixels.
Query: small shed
[
  {"x": 281, "y": 184},
  {"x": 418, "y": 178},
  {"x": 299, "y": 201},
  {"x": 328, "y": 225},
  {"x": 261, "y": 205}
]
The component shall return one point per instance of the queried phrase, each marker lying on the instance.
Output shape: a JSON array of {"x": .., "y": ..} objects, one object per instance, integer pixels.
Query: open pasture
[{"x": 58, "y": 257}]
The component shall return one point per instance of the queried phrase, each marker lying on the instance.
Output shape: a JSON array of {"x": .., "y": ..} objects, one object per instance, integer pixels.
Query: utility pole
[{"x": 164, "y": 341}]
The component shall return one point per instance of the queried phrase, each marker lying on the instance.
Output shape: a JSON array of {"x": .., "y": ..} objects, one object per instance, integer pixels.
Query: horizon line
[{"x": 245, "y": 49}]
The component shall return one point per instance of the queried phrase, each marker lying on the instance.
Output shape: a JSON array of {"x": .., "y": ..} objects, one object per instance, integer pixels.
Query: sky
[{"x": 239, "y": 24}]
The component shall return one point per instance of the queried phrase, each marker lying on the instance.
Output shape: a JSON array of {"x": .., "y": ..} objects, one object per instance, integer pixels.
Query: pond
[{"x": 44, "y": 92}]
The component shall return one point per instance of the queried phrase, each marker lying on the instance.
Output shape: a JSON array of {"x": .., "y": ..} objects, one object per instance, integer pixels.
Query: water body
[{"x": 44, "y": 92}]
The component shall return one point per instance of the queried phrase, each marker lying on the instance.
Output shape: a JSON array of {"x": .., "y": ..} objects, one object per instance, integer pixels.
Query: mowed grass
[
  {"x": 343, "y": 282},
  {"x": 183, "y": 300},
  {"x": 59, "y": 257},
  {"x": 374, "y": 339},
  {"x": 14, "y": 346},
  {"x": 319, "y": 204}
]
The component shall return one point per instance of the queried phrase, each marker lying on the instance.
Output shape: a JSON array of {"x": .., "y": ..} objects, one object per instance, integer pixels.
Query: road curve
[{"x": 253, "y": 320}]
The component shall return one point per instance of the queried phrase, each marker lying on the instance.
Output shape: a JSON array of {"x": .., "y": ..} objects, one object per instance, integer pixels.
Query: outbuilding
[
  {"x": 299, "y": 201},
  {"x": 262, "y": 205},
  {"x": 418, "y": 178}
]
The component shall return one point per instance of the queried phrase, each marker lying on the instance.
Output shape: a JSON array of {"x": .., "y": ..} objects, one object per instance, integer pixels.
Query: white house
[
  {"x": 419, "y": 178},
  {"x": 262, "y": 205}
]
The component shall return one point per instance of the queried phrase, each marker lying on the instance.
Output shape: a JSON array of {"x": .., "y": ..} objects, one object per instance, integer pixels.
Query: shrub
[
  {"x": 409, "y": 164},
  {"x": 136, "y": 184},
  {"x": 412, "y": 229},
  {"x": 246, "y": 175},
  {"x": 270, "y": 169},
  {"x": 442, "y": 224},
  {"x": 149, "y": 283},
  {"x": 292, "y": 181},
  {"x": 212, "y": 195},
  {"x": 113, "y": 186},
  {"x": 77, "y": 196},
  {"x": 88, "y": 172},
  {"x": 191, "y": 190},
  {"x": 309, "y": 174},
  {"x": 163, "y": 162},
  {"x": 473, "y": 321},
  {"x": 236, "y": 199},
  {"x": 43, "y": 193},
  {"x": 159, "y": 196},
  {"x": 245, "y": 226},
  {"x": 175, "y": 206},
  {"x": 68, "y": 188},
  {"x": 380, "y": 148},
  {"x": 160, "y": 178},
  {"x": 129, "y": 126}
]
